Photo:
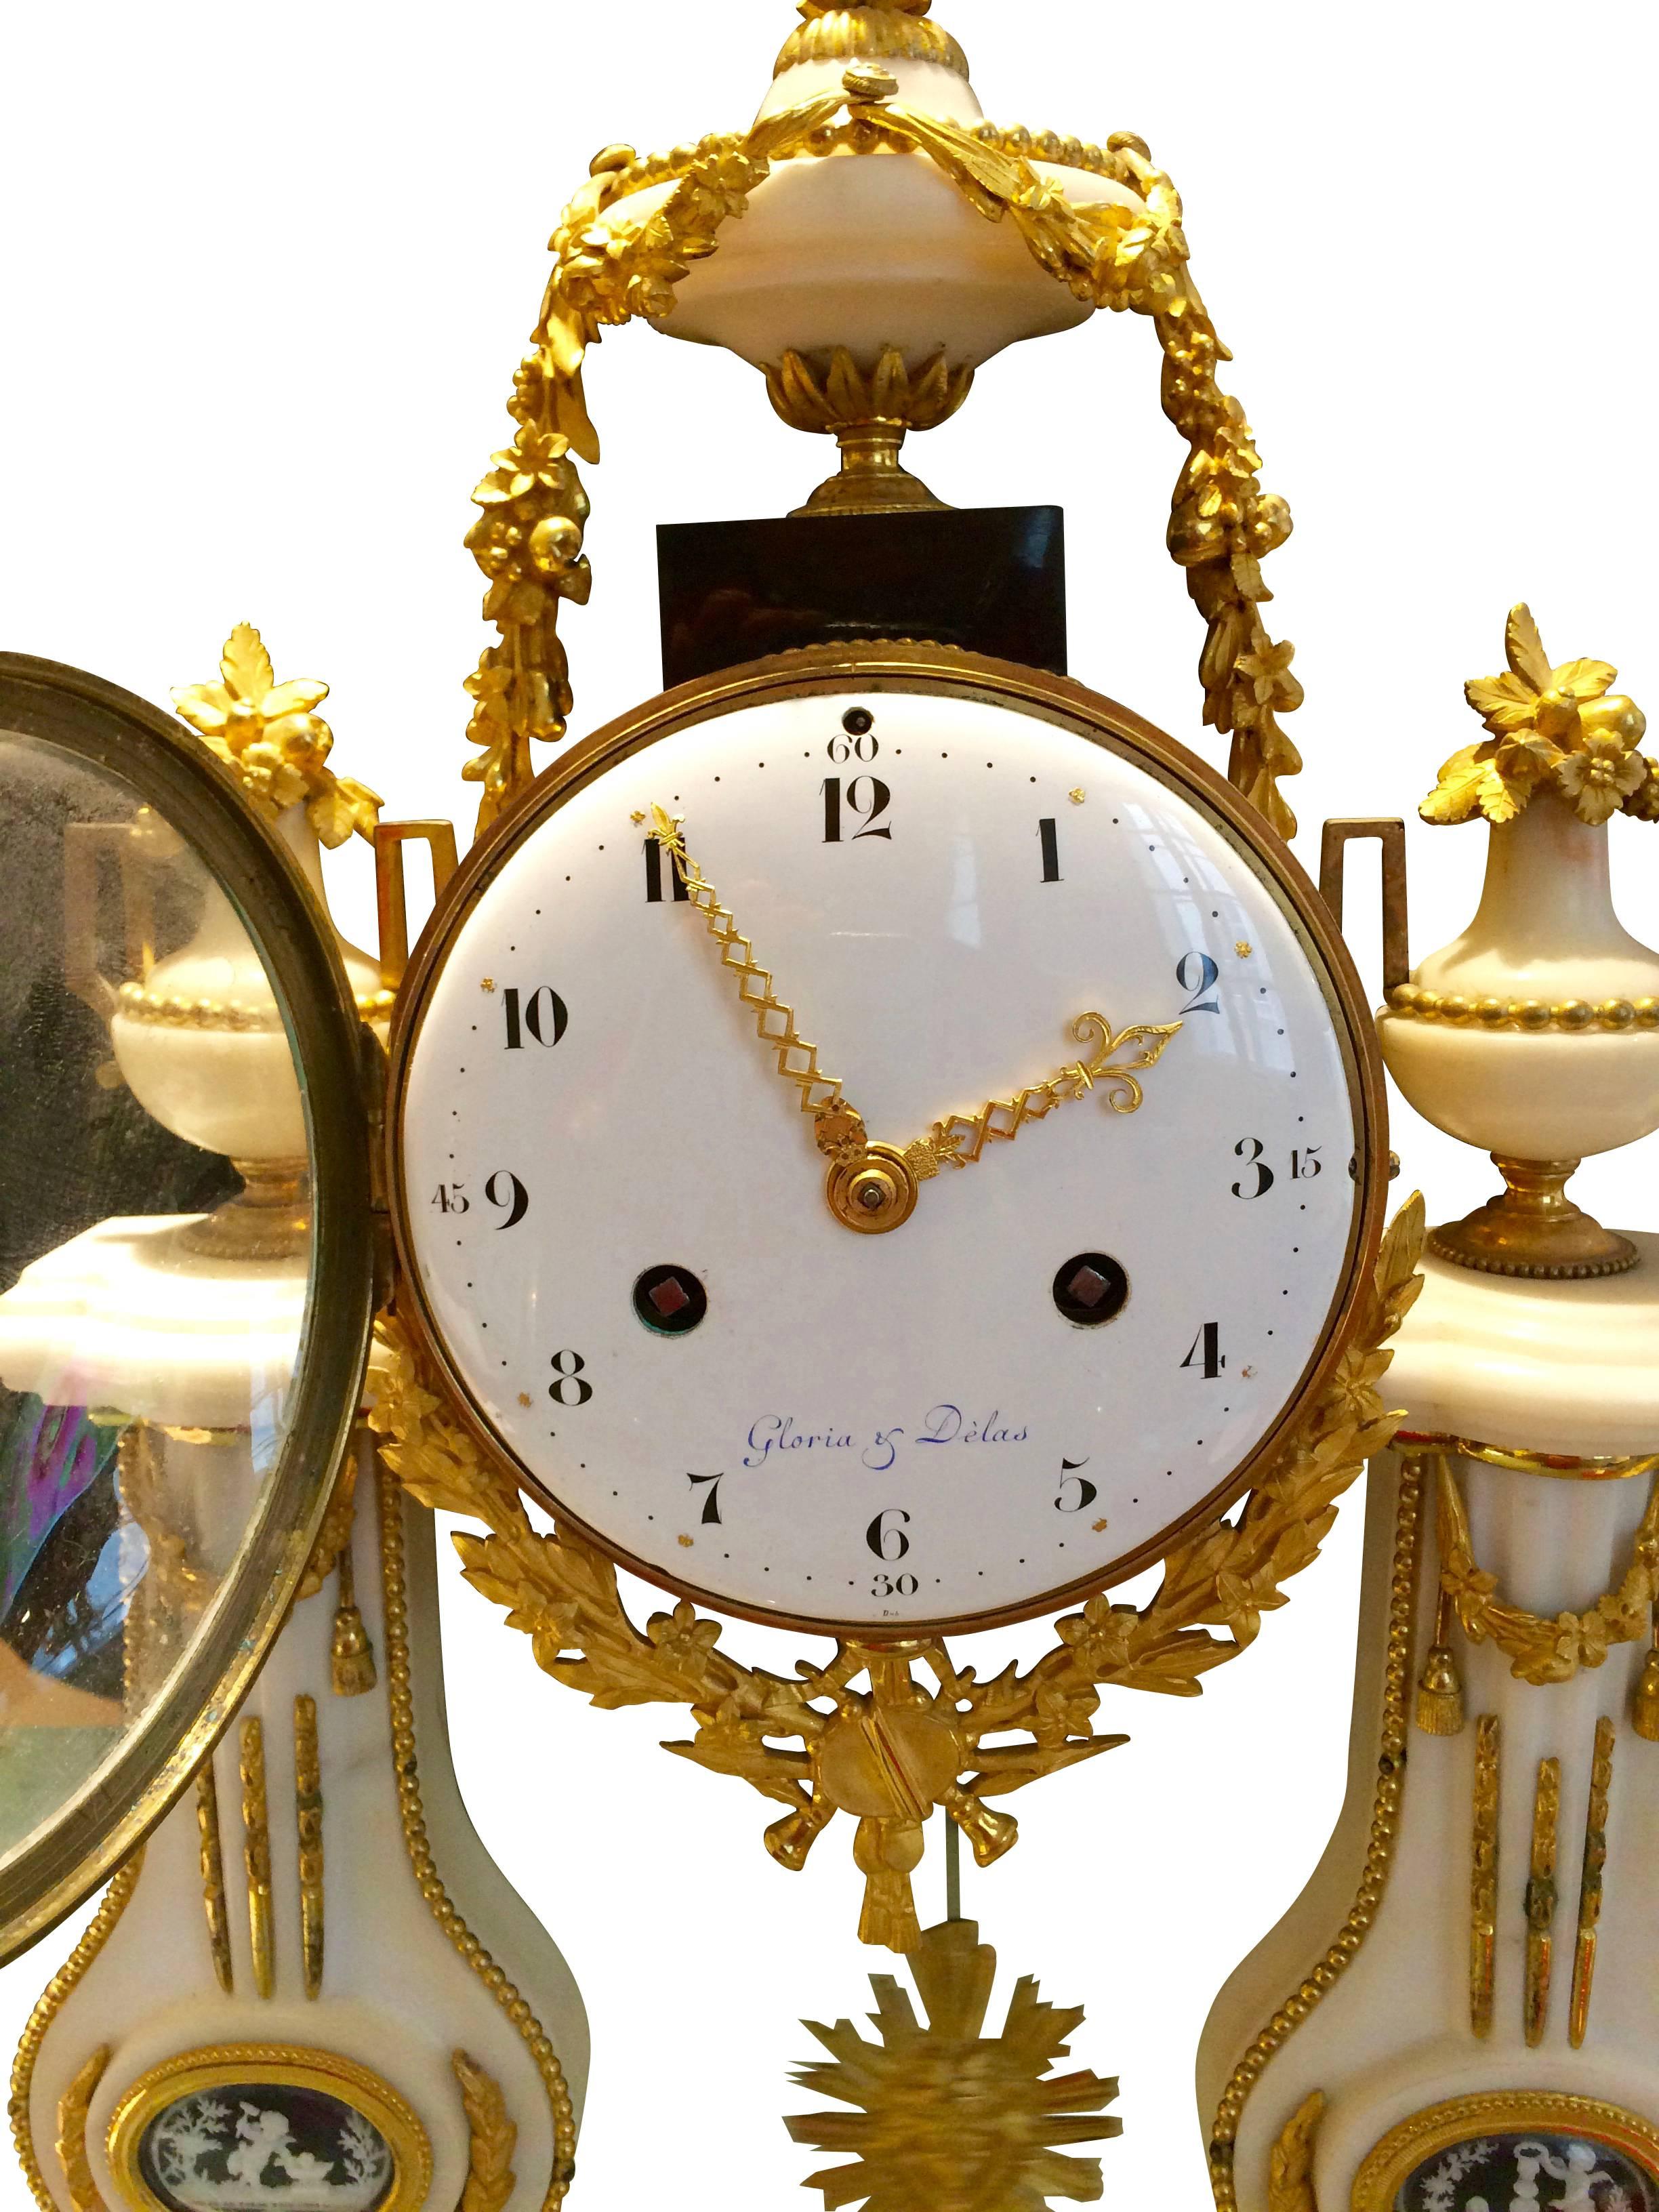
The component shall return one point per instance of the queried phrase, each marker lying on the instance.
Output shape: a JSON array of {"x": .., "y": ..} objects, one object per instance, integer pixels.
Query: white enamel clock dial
[{"x": 613, "y": 1210}]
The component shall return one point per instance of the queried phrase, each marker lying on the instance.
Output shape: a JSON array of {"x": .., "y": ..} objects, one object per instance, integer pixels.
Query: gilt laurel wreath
[{"x": 767, "y": 1728}]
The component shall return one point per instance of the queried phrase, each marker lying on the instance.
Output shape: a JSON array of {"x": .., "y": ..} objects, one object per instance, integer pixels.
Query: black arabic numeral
[
  {"x": 543, "y": 1016},
  {"x": 568, "y": 1377},
  {"x": 1306, "y": 1164},
  {"x": 711, "y": 1503},
  {"x": 879, "y": 800},
  {"x": 1249, "y": 1149},
  {"x": 859, "y": 745},
  {"x": 884, "y": 1586},
  {"x": 1071, "y": 1480},
  {"x": 515, "y": 1201},
  {"x": 1207, "y": 972},
  {"x": 868, "y": 798},
  {"x": 885, "y": 1536},
  {"x": 1049, "y": 834},
  {"x": 1206, "y": 1346},
  {"x": 450, "y": 1198}
]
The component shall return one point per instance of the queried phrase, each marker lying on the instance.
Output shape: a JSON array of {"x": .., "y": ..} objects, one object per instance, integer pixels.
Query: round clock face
[{"x": 861, "y": 1392}]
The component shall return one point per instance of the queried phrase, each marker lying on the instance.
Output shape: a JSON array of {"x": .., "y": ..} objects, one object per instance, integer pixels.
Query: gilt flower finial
[
  {"x": 812, "y": 9},
  {"x": 1550, "y": 728},
  {"x": 275, "y": 743}
]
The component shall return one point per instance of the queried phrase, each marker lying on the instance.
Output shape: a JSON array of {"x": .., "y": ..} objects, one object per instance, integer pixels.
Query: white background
[{"x": 266, "y": 274}]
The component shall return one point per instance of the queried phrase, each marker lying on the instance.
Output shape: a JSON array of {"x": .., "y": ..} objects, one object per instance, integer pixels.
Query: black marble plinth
[{"x": 990, "y": 579}]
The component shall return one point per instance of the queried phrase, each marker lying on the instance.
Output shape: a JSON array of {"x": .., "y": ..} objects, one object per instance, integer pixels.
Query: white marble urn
[
  {"x": 860, "y": 275},
  {"x": 1534, "y": 1035},
  {"x": 200, "y": 1041}
]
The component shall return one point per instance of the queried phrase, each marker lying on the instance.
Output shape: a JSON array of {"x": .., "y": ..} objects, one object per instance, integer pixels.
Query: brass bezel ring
[
  {"x": 824, "y": 670},
  {"x": 284, "y": 2066},
  {"x": 104, "y": 727}
]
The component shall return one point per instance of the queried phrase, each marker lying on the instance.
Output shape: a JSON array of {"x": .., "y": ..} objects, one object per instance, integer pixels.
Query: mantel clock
[{"x": 879, "y": 1141}]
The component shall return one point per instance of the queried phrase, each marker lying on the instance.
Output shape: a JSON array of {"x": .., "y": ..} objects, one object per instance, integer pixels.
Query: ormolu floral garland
[{"x": 528, "y": 539}]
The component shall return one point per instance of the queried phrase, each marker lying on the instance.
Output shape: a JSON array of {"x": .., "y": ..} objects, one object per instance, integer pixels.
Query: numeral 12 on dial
[{"x": 868, "y": 798}]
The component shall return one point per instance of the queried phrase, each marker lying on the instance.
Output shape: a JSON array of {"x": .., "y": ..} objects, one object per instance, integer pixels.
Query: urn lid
[{"x": 899, "y": 36}]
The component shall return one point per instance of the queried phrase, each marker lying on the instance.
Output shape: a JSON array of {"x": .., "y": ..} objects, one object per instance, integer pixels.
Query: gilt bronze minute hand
[{"x": 872, "y": 1187}]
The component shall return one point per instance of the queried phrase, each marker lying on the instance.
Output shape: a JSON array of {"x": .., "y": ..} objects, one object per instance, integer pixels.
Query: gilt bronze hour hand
[
  {"x": 872, "y": 1187},
  {"x": 774, "y": 1022}
]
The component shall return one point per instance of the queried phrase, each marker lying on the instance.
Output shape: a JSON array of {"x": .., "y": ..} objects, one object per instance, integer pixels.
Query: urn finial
[
  {"x": 199, "y": 1037},
  {"x": 1535, "y": 1033},
  {"x": 1549, "y": 729},
  {"x": 274, "y": 742}
]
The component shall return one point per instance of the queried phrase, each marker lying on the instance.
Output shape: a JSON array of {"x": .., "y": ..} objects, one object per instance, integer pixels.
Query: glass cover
[
  {"x": 155, "y": 1262},
  {"x": 1060, "y": 1357}
]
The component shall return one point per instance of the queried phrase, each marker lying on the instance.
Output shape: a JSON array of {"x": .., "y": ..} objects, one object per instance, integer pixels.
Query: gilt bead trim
[
  {"x": 639, "y": 173},
  {"x": 1572, "y": 1017},
  {"x": 138, "y": 1005}
]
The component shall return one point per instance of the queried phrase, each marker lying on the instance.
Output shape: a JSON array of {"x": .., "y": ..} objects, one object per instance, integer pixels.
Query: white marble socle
[
  {"x": 1570, "y": 1369},
  {"x": 1548, "y": 1366},
  {"x": 124, "y": 1317},
  {"x": 396, "y": 1995}
]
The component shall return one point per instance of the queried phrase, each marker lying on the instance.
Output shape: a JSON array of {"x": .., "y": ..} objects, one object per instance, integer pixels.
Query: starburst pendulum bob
[{"x": 945, "y": 2118}]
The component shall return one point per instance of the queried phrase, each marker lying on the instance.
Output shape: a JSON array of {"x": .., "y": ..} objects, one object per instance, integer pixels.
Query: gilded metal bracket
[
  {"x": 1483, "y": 1871},
  {"x": 308, "y": 1821},
  {"x": 1541, "y": 1899},
  {"x": 256, "y": 1857},
  {"x": 391, "y": 898},
  {"x": 213, "y": 1876},
  {"x": 86, "y": 845},
  {"x": 1590, "y": 1883},
  {"x": 1390, "y": 833}
]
